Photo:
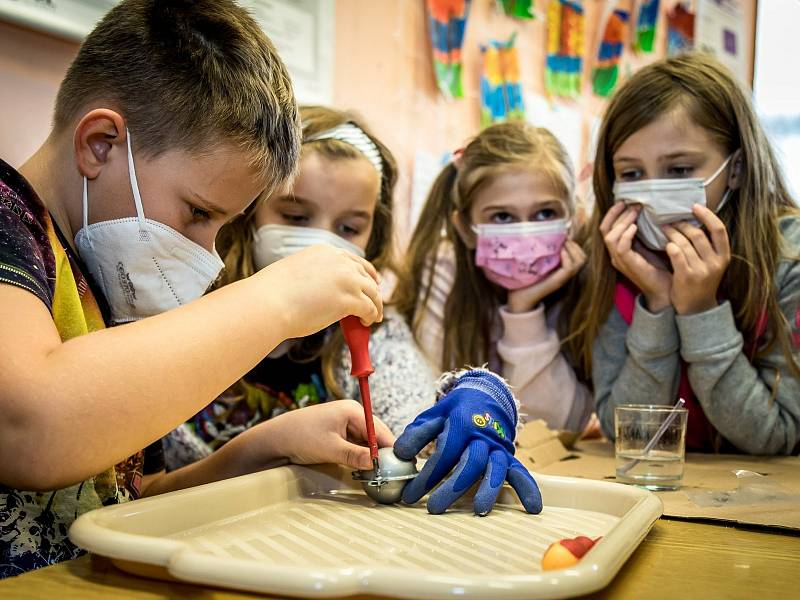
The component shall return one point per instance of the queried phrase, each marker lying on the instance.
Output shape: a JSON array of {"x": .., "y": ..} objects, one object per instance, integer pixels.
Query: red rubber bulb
[{"x": 357, "y": 337}]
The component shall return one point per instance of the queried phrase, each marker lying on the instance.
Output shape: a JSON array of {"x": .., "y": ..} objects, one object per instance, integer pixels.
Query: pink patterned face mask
[{"x": 518, "y": 255}]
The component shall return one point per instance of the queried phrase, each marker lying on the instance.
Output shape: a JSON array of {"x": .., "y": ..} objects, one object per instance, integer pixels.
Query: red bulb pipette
[{"x": 356, "y": 336}]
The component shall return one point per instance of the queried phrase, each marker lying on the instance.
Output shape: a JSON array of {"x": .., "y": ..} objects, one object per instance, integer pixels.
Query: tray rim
[{"x": 93, "y": 531}]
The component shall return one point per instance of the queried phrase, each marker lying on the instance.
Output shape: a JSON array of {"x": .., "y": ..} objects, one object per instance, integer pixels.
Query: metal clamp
[{"x": 380, "y": 480}]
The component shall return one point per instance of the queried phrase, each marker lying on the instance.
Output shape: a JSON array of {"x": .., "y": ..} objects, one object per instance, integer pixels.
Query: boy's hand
[
  {"x": 474, "y": 425},
  {"x": 698, "y": 262},
  {"x": 619, "y": 229},
  {"x": 526, "y": 299},
  {"x": 321, "y": 285},
  {"x": 333, "y": 432}
]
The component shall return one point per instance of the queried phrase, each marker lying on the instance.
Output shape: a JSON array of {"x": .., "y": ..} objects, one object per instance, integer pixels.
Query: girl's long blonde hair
[
  {"x": 715, "y": 101},
  {"x": 471, "y": 306},
  {"x": 235, "y": 240}
]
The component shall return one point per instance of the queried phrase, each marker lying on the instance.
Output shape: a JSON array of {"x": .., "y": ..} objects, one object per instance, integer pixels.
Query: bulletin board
[
  {"x": 302, "y": 31},
  {"x": 70, "y": 19}
]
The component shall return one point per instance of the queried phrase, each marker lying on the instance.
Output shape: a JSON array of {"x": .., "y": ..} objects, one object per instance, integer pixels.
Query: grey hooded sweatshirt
[{"x": 754, "y": 405}]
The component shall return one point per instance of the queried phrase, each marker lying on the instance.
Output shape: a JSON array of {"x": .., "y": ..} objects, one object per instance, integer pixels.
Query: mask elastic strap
[
  {"x": 724, "y": 200},
  {"x": 86, "y": 209},
  {"x": 137, "y": 198},
  {"x": 711, "y": 179}
]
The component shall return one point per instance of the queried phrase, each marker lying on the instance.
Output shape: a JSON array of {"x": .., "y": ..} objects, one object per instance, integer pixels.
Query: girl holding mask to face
[
  {"x": 489, "y": 262},
  {"x": 342, "y": 197},
  {"x": 693, "y": 285}
]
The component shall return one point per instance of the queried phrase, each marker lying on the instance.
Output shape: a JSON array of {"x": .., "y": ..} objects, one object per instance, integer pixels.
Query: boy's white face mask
[
  {"x": 142, "y": 266},
  {"x": 665, "y": 201},
  {"x": 274, "y": 242}
]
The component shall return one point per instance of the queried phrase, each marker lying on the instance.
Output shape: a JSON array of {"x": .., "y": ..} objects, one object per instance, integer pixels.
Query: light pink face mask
[{"x": 518, "y": 255}]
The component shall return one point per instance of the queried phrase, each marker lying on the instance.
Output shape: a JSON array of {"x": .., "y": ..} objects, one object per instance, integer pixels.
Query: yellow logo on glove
[{"x": 487, "y": 419}]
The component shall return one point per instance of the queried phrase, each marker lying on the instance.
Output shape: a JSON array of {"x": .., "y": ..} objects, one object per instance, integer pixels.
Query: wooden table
[{"x": 678, "y": 559}]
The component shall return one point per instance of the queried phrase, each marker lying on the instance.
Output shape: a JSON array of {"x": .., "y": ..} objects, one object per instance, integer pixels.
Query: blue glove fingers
[
  {"x": 470, "y": 468},
  {"x": 416, "y": 436},
  {"x": 492, "y": 483},
  {"x": 525, "y": 486},
  {"x": 448, "y": 449}
]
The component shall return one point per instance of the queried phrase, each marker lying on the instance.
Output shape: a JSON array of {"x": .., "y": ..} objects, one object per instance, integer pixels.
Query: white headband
[{"x": 350, "y": 133}]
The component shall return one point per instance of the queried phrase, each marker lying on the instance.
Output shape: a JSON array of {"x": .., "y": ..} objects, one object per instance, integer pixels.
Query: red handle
[{"x": 357, "y": 337}]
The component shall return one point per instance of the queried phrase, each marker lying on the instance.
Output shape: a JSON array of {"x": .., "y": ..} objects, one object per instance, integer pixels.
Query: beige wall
[
  {"x": 382, "y": 69},
  {"x": 31, "y": 68}
]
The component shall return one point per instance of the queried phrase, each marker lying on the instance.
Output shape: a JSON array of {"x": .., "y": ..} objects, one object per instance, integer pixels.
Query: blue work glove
[{"x": 474, "y": 423}]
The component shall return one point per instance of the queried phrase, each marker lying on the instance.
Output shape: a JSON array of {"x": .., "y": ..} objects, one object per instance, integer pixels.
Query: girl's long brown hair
[
  {"x": 472, "y": 304},
  {"x": 235, "y": 240},
  {"x": 713, "y": 99}
]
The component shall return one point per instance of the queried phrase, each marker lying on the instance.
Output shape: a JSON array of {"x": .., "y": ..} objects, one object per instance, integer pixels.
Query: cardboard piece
[
  {"x": 766, "y": 491},
  {"x": 539, "y": 446}
]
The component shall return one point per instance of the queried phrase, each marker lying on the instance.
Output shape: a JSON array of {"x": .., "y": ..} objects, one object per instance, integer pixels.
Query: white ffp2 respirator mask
[
  {"x": 665, "y": 201},
  {"x": 274, "y": 242},
  {"x": 142, "y": 266}
]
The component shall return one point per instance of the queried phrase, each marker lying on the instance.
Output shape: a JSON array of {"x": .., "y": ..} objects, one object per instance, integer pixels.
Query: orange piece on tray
[{"x": 567, "y": 552}]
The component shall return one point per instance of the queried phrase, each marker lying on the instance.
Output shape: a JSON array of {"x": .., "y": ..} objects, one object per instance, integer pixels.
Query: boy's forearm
[{"x": 99, "y": 398}]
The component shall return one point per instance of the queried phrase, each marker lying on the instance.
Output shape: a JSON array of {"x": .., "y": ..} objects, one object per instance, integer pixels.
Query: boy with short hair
[{"x": 174, "y": 117}]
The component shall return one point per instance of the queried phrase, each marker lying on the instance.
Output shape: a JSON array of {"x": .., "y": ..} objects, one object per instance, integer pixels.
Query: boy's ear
[
  {"x": 463, "y": 230},
  {"x": 736, "y": 173},
  {"x": 95, "y": 135}
]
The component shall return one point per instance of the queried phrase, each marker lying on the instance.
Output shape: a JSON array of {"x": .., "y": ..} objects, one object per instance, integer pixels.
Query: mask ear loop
[
  {"x": 570, "y": 217},
  {"x": 724, "y": 200},
  {"x": 144, "y": 235},
  {"x": 711, "y": 179},
  {"x": 86, "y": 210}
]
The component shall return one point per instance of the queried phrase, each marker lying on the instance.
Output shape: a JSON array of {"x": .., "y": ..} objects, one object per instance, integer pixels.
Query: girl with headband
[{"x": 342, "y": 197}]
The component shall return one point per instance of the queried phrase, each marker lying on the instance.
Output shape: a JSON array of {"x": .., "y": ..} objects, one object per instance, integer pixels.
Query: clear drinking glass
[{"x": 659, "y": 466}]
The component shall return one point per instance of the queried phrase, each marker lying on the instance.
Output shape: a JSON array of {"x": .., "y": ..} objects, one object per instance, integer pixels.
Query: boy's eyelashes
[{"x": 199, "y": 214}]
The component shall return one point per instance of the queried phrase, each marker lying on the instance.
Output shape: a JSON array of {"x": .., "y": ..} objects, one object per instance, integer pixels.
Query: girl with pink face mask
[{"x": 489, "y": 263}]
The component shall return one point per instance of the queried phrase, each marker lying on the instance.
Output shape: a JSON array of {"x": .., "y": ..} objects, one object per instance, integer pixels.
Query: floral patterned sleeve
[{"x": 404, "y": 382}]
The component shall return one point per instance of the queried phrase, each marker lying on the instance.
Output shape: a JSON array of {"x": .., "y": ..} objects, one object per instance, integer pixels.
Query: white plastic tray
[{"x": 313, "y": 533}]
